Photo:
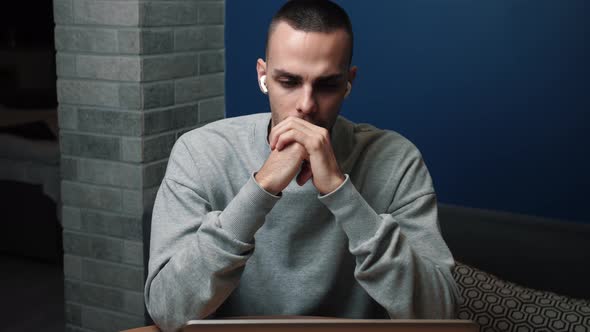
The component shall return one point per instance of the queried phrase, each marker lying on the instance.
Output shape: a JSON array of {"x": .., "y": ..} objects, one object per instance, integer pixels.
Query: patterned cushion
[{"x": 498, "y": 305}]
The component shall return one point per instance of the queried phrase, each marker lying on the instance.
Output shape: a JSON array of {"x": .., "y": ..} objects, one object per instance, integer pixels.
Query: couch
[{"x": 519, "y": 273}]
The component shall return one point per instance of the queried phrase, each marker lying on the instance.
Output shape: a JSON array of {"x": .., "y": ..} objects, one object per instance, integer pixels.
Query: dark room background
[{"x": 495, "y": 94}]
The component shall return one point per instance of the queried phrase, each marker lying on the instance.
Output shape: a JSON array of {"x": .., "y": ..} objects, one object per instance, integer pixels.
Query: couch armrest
[{"x": 535, "y": 252}]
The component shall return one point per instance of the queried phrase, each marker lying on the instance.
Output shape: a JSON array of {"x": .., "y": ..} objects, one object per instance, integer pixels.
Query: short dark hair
[{"x": 312, "y": 16}]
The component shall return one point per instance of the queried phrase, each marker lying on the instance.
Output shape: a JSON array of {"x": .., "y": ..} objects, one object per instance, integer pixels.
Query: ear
[
  {"x": 260, "y": 68},
  {"x": 348, "y": 89},
  {"x": 352, "y": 74},
  {"x": 351, "y": 77}
]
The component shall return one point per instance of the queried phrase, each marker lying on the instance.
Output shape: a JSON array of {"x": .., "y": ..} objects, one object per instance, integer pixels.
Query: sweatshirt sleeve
[
  {"x": 197, "y": 254},
  {"x": 401, "y": 259}
]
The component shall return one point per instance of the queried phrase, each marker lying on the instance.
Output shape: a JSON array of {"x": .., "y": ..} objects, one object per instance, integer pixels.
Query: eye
[
  {"x": 329, "y": 86},
  {"x": 289, "y": 83}
]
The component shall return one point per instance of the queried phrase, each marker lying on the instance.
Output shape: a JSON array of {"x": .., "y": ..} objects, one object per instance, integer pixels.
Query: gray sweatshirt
[{"x": 223, "y": 246}]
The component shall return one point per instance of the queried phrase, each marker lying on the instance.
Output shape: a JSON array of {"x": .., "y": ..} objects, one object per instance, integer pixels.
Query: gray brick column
[{"x": 132, "y": 76}]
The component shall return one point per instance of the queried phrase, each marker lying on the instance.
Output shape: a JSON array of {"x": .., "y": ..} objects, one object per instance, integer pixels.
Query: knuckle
[
  {"x": 324, "y": 136},
  {"x": 300, "y": 149},
  {"x": 315, "y": 144}
]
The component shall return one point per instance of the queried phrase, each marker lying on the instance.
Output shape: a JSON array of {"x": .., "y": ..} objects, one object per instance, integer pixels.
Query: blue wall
[{"x": 494, "y": 93}]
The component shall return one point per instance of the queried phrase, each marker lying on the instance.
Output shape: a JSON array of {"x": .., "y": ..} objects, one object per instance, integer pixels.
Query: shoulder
[
  {"x": 217, "y": 140},
  {"x": 382, "y": 142},
  {"x": 225, "y": 133},
  {"x": 228, "y": 128},
  {"x": 386, "y": 156},
  {"x": 208, "y": 149}
]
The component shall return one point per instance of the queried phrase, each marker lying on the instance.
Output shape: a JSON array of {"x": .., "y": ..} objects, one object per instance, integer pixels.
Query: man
[{"x": 298, "y": 212}]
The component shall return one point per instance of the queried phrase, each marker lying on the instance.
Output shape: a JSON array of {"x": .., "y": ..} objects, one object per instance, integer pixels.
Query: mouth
[{"x": 314, "y": 122}]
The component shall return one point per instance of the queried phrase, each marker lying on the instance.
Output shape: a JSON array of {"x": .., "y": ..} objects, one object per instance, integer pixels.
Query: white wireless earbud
[
  {"x": 348, "y": 88},
  {"x": 263, "y": 87}
]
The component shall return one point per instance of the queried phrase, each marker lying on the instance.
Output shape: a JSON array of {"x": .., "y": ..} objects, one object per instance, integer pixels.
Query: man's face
[{"x": 307, "y": 73}]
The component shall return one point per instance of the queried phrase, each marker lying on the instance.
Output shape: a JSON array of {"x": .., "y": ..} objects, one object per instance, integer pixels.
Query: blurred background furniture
[
  {"x": 30, "y": 178},
  {"x": 519, "y": 273}
]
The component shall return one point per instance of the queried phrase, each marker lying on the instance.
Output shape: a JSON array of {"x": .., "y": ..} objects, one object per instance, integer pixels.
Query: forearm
[
  {"x": 405, "y": 283},
  {"x": 401, "y": 260},
  {"x": 196, "y": 255},
  {"x": 197, "y": 278}
]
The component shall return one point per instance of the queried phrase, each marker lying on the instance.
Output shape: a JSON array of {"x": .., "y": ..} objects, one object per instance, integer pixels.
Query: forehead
[{"x": 310, "y": 53}]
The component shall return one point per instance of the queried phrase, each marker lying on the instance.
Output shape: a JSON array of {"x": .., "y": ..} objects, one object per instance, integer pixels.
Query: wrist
[
  {"x": 334, "y": 184},
  {"x": 265, "y": 184}
]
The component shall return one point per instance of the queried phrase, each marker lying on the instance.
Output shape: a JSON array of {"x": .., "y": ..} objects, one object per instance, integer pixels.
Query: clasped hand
[{"x": 300, "y": 146}]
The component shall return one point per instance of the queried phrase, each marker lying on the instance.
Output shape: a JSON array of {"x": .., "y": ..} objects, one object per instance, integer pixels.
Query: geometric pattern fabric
[{"x": 499, "y": 306}]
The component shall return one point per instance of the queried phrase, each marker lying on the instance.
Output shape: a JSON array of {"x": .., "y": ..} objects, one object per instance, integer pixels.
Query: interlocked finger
[{"x": 303, "y": 126}]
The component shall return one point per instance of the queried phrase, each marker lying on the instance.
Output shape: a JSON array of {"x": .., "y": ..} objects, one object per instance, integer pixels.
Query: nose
[{"x": 307, "y": 101}]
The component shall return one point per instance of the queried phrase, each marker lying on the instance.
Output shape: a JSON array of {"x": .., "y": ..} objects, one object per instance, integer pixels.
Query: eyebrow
[{"x": 284, "y": 73}]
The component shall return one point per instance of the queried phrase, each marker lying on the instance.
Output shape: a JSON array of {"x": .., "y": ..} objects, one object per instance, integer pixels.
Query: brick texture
[{"x": 133, "y": 76}]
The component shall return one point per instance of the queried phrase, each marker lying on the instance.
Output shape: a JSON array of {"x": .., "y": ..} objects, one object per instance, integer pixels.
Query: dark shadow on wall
[
  {"x": 30, "y": 227},
  {"x": 31, "y": 249},
  {"x": 27, "y": 55}
]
